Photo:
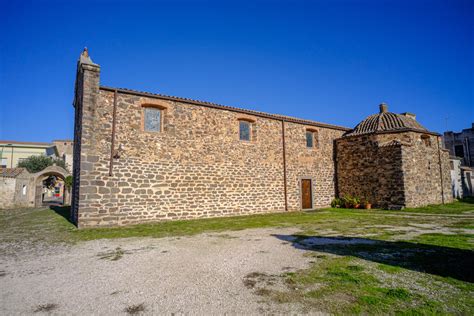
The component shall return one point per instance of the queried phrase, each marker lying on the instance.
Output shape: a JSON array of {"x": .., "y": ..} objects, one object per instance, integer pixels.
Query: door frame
[{"x": 300, "y": 190}]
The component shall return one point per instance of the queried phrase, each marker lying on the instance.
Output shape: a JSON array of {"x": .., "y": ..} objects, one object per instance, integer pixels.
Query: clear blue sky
[{"x": 329, "y": 61}]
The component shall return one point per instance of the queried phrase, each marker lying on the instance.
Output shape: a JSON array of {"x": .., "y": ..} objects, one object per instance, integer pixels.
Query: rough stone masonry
[{"x": 200, "y": 159}]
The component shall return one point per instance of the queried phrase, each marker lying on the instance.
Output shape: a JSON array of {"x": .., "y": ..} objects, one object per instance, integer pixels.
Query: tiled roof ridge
[
  {"x": 229, "y": 108},
  {"x": 386, "y": 122}
]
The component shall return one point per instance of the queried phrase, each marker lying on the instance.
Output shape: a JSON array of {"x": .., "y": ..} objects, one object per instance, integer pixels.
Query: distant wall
[
  {"x": 456, "y": 178},
  {"x": 7, "y": 192}
]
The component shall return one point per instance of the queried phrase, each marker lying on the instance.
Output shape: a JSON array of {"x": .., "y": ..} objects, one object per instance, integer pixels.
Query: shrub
[
  {"x": 37, "y": 163},
  {"x": 337, "y": 202},
  {"x": 68, "y": 182},
  {"x": 347, "y": 201}
]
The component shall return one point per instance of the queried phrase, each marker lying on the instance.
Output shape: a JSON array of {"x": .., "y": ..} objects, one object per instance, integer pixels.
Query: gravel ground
[{"x": 201, "y": 274}]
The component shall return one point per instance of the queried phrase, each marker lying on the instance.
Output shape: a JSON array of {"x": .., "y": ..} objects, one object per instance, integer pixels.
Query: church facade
[{"x": 142, "y": 157}]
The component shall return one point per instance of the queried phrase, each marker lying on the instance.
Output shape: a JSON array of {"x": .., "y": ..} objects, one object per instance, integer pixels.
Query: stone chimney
[
  {"x": 383, "y": 107},
  {"x": 410, "y": 115}
]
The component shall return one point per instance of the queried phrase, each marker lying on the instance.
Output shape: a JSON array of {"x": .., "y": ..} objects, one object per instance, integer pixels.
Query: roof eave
[{"x": 396, "y": 131}]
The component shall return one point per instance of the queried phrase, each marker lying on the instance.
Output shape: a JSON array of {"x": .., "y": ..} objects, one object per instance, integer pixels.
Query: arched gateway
[{"x": 39, "y": 178}]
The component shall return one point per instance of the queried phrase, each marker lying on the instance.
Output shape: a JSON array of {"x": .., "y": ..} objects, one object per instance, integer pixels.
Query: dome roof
[{"x": 385, "y": 121}]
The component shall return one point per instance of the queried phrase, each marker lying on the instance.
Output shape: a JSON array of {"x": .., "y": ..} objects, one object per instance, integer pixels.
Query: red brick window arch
[
  {"x": 152, "y": 117},
  {"x": 312, "y": 138}
]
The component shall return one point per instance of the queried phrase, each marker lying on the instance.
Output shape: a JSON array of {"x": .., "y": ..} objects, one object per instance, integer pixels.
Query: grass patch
[
  {"x": 52, "y": 225},
  {"x": 460, "y": 241},
  {"x": 389, "y": 269},
  {"x": 465, "y": 205},
  {"x": 342, "y": 287}
]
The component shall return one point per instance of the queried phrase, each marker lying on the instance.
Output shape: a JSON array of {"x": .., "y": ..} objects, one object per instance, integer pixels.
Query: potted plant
[
  {"x": 336, "y": 203},
  {"x": 347, "y": 201},
  {"x": 367, "y": 204},
  {"x": 356, "y": 202}
]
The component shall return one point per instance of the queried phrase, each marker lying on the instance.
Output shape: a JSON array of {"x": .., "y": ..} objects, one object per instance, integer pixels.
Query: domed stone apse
[{"x": 393, "y": 161}]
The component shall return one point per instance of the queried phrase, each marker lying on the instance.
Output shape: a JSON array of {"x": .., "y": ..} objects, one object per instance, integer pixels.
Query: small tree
[
  {"x": 68, "y": 183},
  {"x": 37, "y": 163}
]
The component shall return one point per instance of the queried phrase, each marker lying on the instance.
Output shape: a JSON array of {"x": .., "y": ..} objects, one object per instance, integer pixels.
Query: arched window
[
  {"x": 312, "y": 138},
  {"x": 152, "y": 118},
  {"x": 247, "y": 128},
  {"x": 426, "y": 140},
  {"x": 244, "y": 130}
]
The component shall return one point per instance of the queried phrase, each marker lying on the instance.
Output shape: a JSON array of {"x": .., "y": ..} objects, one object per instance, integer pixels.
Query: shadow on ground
[
  {"x": 437, "y": 260},
  {"x": 467, "y": 199},
  {"x": 64, "y": 211}
]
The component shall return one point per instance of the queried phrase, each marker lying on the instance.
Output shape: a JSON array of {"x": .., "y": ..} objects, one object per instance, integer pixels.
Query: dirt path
[{"x": 200, "y": 275}]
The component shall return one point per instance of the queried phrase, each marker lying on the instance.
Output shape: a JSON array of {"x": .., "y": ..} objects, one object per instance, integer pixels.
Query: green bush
[
  {"x": 37, "y": 163},
  {"x": 347, "y": 201},
  {"x": 68, "y": 182},
  {"x": 337, "y": 202}
]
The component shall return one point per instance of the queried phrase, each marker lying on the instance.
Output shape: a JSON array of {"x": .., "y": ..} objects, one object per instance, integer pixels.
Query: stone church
[{"x": 141, "y": 156}]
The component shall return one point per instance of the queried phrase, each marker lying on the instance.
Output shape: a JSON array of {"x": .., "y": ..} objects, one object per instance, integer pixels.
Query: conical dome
[{"x": 385, "y": 121}]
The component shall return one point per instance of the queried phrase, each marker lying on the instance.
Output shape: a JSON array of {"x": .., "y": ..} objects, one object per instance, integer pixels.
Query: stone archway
[{"x": 39, "y": 177}]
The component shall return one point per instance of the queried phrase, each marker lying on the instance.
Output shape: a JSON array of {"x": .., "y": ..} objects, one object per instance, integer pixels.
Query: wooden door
[{"x": 306, "y": 194}]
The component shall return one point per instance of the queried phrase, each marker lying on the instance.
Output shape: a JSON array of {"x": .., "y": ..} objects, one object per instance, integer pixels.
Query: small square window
[
  {"x": 152, "y": 119},
  {"x": 309, "y": 139},
  {"x": 244, "y": 130}
]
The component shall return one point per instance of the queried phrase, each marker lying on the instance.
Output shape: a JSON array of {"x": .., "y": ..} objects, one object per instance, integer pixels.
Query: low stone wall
[{"x": 7, "y": 192}]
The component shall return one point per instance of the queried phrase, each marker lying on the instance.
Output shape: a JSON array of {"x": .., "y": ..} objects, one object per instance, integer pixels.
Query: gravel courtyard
[
  {"x": 331, "y": 261},
  {"x": 198, "y": 274}
]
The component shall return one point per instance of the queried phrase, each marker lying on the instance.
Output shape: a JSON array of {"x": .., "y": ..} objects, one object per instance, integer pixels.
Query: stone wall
[
  {"x": 394, "y": 169},
  {"x": 23, "y": 190},
  {"x": 65, "y": 151},
  {"x": 315, "y": 163},
  {"x": 15, "y": 191},
  {"x": 369, "y": 167},
  {"x": 425, "y": 182},
  {"x": 85, "y": 104},
  {"x": 196, "y": 167},
  {"x": 7, "y": 192}
]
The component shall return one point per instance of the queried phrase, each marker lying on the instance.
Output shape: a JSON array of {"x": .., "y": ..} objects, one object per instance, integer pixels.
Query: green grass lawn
[
  {"x": 50, "y": 225},
  {"x": 415, "y": 261}
]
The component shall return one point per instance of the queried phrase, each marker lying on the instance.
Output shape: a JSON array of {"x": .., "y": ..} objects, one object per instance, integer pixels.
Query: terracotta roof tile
[
  {"x": 386, "y": 122},
  {"x": 10, "y": 172}
]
